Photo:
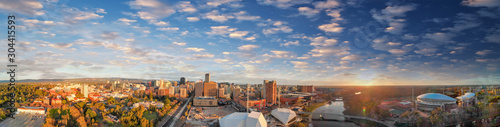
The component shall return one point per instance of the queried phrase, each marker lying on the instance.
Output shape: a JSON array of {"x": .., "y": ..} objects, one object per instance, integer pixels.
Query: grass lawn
[{"x": 150, "y": 116}]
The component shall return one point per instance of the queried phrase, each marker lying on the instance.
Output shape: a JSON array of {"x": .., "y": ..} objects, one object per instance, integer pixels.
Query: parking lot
[{"x": 24, "y": 120}]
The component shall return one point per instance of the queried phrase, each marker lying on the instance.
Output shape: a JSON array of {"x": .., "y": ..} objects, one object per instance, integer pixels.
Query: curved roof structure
[
  {"x": 283, "y": 114},
  {"x": 466, "y": 96},
  {"x": 242, "y": 119},
  {"x": 435, "y": 96}
]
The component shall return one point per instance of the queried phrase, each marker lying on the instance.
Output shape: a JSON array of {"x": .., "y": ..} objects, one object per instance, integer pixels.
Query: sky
[{"x": 333, "y": 42}]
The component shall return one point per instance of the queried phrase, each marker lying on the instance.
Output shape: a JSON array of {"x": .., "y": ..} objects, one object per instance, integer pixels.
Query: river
[{"x": 335, "y": 107}]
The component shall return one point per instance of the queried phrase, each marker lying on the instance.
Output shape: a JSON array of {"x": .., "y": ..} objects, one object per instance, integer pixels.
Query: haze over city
[{"x": 352, "y": 42}]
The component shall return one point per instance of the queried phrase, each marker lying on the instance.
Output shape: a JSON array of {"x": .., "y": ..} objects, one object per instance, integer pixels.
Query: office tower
[
  {"x": 198, "y": 89},
  {"x": 236, "y": 92},
  {"x": 207, "y": 77},
  {"x": 183, "y": 80},
  {"x": 85, "y": 90},
  {"x": 210, "y": 89},
  {"x": 183, "y": 92},
  {"x": 175, "y": 83},
  {"x": 221, "y": 92},
  {"x": 271, "y": 92},
  {"x": 171, "y": 91}
]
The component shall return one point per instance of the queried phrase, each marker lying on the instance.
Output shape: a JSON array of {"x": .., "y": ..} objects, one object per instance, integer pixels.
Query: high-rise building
[
  {"x": 271, "y": 92},
  {"x": 85, "y": 90},
  {"x": 207, "y": 77},
  {"x": 183, "y": 80},
  {"x": 175, "y": 83},
  {"x": 307, "y": 89},
  {"x": 183, "y": 92},
  {"x": 221, "y": 93},
  {"x": 171, "y": 91},
  {"x": 198, "y": 89},
  {"x": 236, "y": 92},
  {"x": 210, "y": 89}
]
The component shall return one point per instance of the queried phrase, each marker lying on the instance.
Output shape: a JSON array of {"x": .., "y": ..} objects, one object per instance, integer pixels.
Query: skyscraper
[
  {"x": 210, "y": 89},
  {"x": 198, "y": 89},
  {"x": 85, "y": 90},
  {"x": 183, "y": 81},
  {"x": 207, "y": 77},
  {"x": 175, "y": 83},
  {"x": 271, "y": 91}
]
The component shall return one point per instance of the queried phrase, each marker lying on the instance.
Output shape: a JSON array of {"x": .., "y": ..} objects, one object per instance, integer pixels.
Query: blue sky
[{"x": 334, "y": 42}]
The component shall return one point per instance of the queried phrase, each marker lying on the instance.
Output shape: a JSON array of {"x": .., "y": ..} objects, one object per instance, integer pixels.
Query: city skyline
[{"x": 333, "y": 42}]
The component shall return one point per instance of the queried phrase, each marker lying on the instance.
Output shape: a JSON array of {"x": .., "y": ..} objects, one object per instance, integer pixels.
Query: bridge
[{"x": 322, "y": 116}]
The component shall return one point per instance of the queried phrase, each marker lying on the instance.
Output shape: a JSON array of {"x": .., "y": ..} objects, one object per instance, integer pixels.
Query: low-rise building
[
  {"x": 146, "y": 104},
  {"x": 31, "y": 110},
  {"x": 205, "y": 101}
]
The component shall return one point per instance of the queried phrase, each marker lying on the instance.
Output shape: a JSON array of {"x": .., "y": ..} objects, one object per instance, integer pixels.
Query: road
[{"x": 171, "y": 121}]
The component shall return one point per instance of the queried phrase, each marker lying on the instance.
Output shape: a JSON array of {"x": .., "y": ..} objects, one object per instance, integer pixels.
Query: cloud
[
  {"x": 481, "y": 3},
  {"x": 493, "y": 37},
  {"x": 439, "y": 37},
  {"x": 74, "y": 15},
  {"x": 25, "y": 7},
  {"x": 299, "y": 64},
  {"x": 248, "y": 47},
  {"x": 179, "y": 43},
  {"x": 168, "y": 29},
  {"x": 308, "y": 12},
  {"x": 215, "y": 16},
  {"x": 389, "y": 16},
  {"x": 185, "y": 6},
  {"x": 466, "y": 21},
  {"x": 238, "y": 34},
  {"x": 283, "y": 4},
  {"x": 151, "y": 10},
  {"x": 290, "y": 43},
  {"x": 352, "y": 57},
  {"x": 277, "y": 26},
  {"x": 326, "y": 4},
  {"x": 122, "y": 63},
  {"x": 397, "y": 51},
  {"x": 332, "y": 27},
  {"x": 322, "y": 41},
  {"x": 483, "y": 52},
  {"x": 60, "y": 45},
  {"x": 243, "y": 15},
  {"x": 90, "y": 43},
  {"x": 193, "y": 19},
  {"x": 201, "y": 56},
  {"x": 107, "y": 35},
  {"x": 194, "y": 49},
  {"x": 215, "y": 3},
  {"x": 279, "y": 54},
  {"x": 126, "y": 21}
]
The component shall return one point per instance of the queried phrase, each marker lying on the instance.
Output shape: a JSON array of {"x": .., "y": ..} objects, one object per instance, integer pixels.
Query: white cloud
[
  {"x": 308, "y": 12},
  {"x": 248, "y": 47},
  {"x": 215, "y": 16},
  {"x": 215, "y": 3},
  {"x": 493, "y": 37},
  {"x": 100, "y": 10},
  {"x": 483, "y": 52},
  {"x": 439, "y": 37},
  {"x": 238, "y": 34},
  {"x": 299, "y": 64},
  {"x": 161, "y": 23},
  {"x": 109, "y": 35},
  {"x": 352, "y": 57},
  {"x": 220, "y": 30},
  {"x": 481, "y": 3},
  {"x": 201, "y": 56},
  {"x": 193, "y": 19},
  {"x": 151, "y": 10},
  {"x": 322, "y": 41},
  {"x": 332, "y": 27},
  {"x": 397, "y": 51},
  {"x": 242, "y": 15},
  {"x": 389, "y": 16},
  {"x": 25, "y": 7},
  {"x": 126, "y": 21},
  {"x": 326, "y": 4},
  {"x": 290, "y": 43},
  {"x": 466, "y": 21},
  {"x": 168, "y": 29},
  {"x": 283, "y": 4},
  {"x": 194, "y": 49},
  {"x": 60, "y": 45},
  {"x": 279, "y": 54},
  {"x": 179, "y": 43},
  {"x": 185, "y": 6}
]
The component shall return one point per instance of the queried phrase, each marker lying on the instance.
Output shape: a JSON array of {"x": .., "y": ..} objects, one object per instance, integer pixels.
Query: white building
[
  {"x": 284, "y": 115},
  {"x": 31, "y": 110},
  {"x": 243, "y": 119},
  {"x": 467, "y": 99},
  {"x": 430, "y": 101},
  {"x": 146, "y": 104}
]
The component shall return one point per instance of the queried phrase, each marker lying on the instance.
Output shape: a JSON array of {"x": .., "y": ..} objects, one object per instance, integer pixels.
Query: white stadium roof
[
  {"x": 436, "y": 96},
  {"x": 242, "y": 119},
  {"x": 466, "y": 96},
  {"x": 283, "y": 114}
]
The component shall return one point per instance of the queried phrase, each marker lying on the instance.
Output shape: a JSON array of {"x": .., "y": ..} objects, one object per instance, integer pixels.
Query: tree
[
  {"x": 111, "y": 100},
  {"x": 167, "y": 101},
  {"x": 78, "y": 94}
]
